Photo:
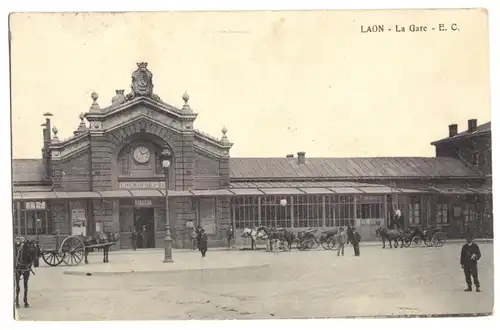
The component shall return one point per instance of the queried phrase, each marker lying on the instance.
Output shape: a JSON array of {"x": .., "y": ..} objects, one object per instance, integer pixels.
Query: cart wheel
[
  {"x": 439, "y": 239},
  {"x": 324, "y": 244},
  {"x": 406, "y": 242},
  {"x": 416, "y": 240},
  {"x": 73, "y": 249},
  {"x": 428, "y": 243},
  {"x": 331, "y": 243},
  {"x": 52, "y": 258}
]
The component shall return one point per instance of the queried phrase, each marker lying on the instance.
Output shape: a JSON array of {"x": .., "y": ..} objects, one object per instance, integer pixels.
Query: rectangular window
[
  {"x": 245, "y": 211},
  {"x": 35, "y": 218},
  {"x": 470, "y": 214},
  {"x": 442, "y": 213},
  {"x": 370, "y": 207},
  {"x": 339, "y": 210},
  {"x": 414, "y": 214}
]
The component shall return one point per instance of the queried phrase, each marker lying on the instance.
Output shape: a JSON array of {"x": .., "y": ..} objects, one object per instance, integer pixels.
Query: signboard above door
[{"x": 142, "y": 185}]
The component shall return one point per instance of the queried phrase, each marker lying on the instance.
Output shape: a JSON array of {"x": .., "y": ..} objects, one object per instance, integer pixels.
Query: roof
[
  {"x": 480, "y": 130},
  {"x": 349, "y": 168},
  {"x": 31, "y": 170},
  {"x": 27, "y": 170}
]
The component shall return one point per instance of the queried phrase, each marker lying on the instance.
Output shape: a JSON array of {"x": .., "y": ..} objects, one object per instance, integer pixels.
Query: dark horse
[
  {"x": 390, "y": 235},
  {"x": 278, "y": 234},
  {"x": 27, "y": 254},
  {"x": 101, "y": 242}
]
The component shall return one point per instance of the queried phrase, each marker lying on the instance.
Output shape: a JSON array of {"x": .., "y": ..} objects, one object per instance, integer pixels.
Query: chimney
[
  {"x": 289, "y": 156},
  {"x": 47, "y": 157},
  {"x": 453, "y": 128},
  {"x": 472, "y": 125},
  {"x": 301, "y": 156}
]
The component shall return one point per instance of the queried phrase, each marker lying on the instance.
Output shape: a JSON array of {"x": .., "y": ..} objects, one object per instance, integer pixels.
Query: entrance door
[{"x": 144, "y": 221}]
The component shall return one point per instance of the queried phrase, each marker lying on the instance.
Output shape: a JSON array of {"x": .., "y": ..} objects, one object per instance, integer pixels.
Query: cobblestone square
[{"x": 256, "y": 284}]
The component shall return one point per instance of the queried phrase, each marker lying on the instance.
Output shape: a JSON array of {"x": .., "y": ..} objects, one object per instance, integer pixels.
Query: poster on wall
[{"x": 78, "y": 221}]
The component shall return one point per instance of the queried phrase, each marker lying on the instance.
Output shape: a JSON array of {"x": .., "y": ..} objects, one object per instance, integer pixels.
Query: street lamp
[{"x": 166, "y": 162}]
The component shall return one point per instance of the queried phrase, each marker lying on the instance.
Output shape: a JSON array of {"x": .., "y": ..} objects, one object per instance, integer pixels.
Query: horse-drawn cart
[
  {"x": 72, "y": 251},
  {"x": 430, "y": 236}
]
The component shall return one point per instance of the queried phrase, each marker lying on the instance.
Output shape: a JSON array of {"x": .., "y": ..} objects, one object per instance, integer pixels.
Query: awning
[
  {"x": 146, "y": 193},
  {"x": 31, "y": 188},
  {"x": 177, "y": 193},
  {"x": 281, "y": 191},
  {"x": 346, "y": 190},
  {"x": 247, "y": 192},
  {"x": 16, "y": 196},
  {"x": 82, "y": 195},
  {"x": 375, "y": 190},
  {"x": 215, "y": 192},
  {"x": 452, "y": 191},
  {"x": 39, "y": 195},
  {"x": 115, "y": 194},
  {"x": 317, "y": 191},
  {"x": 481, "y": 191},
  {"x": 412, "y": 191}
]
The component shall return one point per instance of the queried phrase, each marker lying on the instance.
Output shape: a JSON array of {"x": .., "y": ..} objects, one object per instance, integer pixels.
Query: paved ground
[{"x": 293, "y": 285}]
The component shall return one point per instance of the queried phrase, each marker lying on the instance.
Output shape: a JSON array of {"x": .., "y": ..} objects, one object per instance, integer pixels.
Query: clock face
[{"x": 142, "y": 155}]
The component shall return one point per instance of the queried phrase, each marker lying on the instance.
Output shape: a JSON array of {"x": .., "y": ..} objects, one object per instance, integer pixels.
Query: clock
[{"x": 142, "y": 155}]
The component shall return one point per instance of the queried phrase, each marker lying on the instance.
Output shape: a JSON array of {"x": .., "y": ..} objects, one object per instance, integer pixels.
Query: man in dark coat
[
  {"x": 356, "y": 239},
  {"x": 349, "y": 234},
  {"x": 469, "y": 256},
  {"x": 202, "y": 242}
]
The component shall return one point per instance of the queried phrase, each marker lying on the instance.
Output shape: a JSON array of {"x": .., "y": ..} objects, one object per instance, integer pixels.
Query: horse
[
  {"x": 27, "y": 254},
  {"x": 102, "y": 238},
  {"x": 274, "y": 235},
  {"x": 253, "y": 234},
  {"x": 390, "y": 235}
]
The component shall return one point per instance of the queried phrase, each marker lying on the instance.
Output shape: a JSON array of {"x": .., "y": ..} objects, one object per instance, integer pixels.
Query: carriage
[
  {"x": 307, "y": 240},
  {"x": 72, "y": 251},
  {"x": 430, "y": 236}
]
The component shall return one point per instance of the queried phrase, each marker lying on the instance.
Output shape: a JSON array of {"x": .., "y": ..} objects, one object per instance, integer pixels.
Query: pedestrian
[
  {"x": 340, "y": 239},
  {"x": 349, "y": 234},
  {"x": 356, "y": 239},
  {"x": 194, "y": 235},
  {"x": 469, "y": 256},
  {"x": 202, "y": 242}
]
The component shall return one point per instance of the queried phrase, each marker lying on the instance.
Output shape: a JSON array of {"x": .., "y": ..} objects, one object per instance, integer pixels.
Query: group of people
[{"x": 349, "y": 236}]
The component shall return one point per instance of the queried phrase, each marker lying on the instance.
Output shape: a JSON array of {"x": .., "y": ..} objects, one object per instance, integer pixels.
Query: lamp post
[
  {"x": 166, "y": 162},
  {"x": 283, "y": 203}
]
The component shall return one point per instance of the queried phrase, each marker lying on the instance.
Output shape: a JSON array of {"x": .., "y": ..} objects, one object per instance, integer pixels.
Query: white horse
[{"x": 254, "y": 235}]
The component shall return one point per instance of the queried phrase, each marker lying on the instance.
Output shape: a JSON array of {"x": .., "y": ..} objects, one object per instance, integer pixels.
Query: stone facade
[{"x": 100, "y": 157}]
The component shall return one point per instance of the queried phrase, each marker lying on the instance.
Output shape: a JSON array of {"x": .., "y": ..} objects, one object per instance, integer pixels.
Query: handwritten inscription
[{"x": 380, "y": 28}]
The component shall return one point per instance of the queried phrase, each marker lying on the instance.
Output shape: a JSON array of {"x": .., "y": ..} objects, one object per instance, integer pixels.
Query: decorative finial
[
  {"x": 224, "y": 140},
  {"x": 82, "y": 128},
  {"x": 55, "y": 138},
  {"x": 185, "y": 97},
  {"x": 95, "y": 106},
  {"x": 82, "y": 116},
  {"x": 186, "y": 107}
]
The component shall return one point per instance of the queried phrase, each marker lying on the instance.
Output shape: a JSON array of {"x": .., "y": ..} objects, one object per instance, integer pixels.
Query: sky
[{"x": 281, "y": 82}]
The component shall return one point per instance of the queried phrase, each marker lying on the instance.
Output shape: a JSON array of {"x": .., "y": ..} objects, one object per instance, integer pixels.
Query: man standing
[
  {"x": 356, "y": 239},
  {"x": 340, "y": 239},
  {"x": 469, "y": 256},
  {"x": 202, "y": 242},
  {"x": 349, "y": 234}
]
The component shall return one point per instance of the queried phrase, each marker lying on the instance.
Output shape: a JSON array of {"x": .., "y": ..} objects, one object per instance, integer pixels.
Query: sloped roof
[
  {"x": 27, "y": 170},
  {"x": 349, "y": 168},
  {"x": 480, "y": 130},
  {"x": 31, "y": 170}
]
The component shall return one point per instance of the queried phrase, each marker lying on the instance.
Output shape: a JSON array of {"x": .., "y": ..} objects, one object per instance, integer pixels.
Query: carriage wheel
[
  {"x": 406, "y": 242},
  {"x": 73, "y": 249},
  {"x": 331, "y": 243},
  {"x": 416, "y": 240},
  {"x": 428, "y": 243},
  {"x": 52, "y": 258},
  {"x": 307, "y": 245},
  {"x": 439, "y": 239},
  {"x": 324, "y": 244}
]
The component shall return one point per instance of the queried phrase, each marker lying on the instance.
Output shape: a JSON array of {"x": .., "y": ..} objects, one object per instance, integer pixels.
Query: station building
[{"x": 109, "y": 174}]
